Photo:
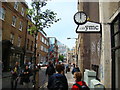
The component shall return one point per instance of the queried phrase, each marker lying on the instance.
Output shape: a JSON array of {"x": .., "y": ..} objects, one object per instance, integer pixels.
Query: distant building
[
  {"x": 62, "y": 49},
  {"x": 53, "y": 49},
  {"x": 71, "y": 56}
]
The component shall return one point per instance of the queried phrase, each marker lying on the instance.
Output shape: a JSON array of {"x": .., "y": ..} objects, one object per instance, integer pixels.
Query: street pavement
[
  {"x": 43, "y": 79},
  {"x": 69, "y": 77}
]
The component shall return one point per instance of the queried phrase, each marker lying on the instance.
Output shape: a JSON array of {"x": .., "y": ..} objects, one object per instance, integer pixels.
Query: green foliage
[
  {"x": 61, "y": 58},
  {"x": 41, "y": 19}
]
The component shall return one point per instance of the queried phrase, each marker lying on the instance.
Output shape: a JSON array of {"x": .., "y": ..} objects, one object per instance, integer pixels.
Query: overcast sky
[{"x": 66, "y": 27}]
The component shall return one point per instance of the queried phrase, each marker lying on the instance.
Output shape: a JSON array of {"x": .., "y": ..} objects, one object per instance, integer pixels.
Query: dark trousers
[{"x": 14, "y": 83}]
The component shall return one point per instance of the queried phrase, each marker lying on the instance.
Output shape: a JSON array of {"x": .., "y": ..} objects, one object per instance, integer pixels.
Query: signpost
[
  {"x": 89, "y": 27},
  {"x": 85, "y": 26}
]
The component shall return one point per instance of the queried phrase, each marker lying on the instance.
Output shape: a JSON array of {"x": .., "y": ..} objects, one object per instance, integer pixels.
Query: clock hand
[{"x": 80, "y": 16}]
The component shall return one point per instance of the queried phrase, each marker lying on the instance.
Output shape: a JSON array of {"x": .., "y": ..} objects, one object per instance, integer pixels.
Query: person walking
[
  {"x": 75, "y": 69},
  {"x": 58, "y": 81},
  {"x": 50, "y": 70},
  {"x": 26, "y": 77},
  {"x": 79, "y": 85},
  {"x": 15, "y": 71}
]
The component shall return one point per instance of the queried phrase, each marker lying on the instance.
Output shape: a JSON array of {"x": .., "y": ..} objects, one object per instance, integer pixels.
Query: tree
[
  {"x": 41, "y": 20},
  {"x": 61, "y": 58}
]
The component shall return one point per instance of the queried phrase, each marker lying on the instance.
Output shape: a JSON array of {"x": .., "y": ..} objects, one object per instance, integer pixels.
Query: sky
[{"x": 65, "y": 28}]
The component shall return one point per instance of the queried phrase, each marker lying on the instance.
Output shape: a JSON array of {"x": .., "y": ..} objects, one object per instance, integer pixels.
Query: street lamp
[{"x": 72, "y": 38}]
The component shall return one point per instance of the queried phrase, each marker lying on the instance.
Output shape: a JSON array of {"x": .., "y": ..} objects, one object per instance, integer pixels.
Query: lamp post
[{"x": 72, "y": 38}]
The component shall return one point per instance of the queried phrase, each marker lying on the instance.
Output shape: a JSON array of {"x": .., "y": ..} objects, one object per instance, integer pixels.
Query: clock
[{"x": 80, "y": 18}]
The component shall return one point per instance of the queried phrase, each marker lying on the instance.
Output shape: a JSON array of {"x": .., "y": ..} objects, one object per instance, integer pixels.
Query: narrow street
[{"x": 42, "y": 77}]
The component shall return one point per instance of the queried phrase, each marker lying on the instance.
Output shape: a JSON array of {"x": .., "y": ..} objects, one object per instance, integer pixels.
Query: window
[
  {"x": 42, "y": 39},
  {"x": 115, "y": 43},
  {"x": 42, "y": 48},
  {"x": 2, "y": 13},
  {"x": 37, "y": 37},
  {"x": 28, "y": 44},
  {"x": 19, "y": 41},
  {"x": 32, "y": 46},
  {"x": 12, "y": 38},
  {"x": 22, "y": 11},
  {"x": 16, "y": 5},
  {"x": 21, "y": 26},
  {"x": 14, "y": 21}
]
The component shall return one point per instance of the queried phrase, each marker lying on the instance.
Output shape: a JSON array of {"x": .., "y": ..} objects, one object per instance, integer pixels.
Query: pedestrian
[
  {"x": 15, "y": 71},
  {"x": 50, "y": 70},
  {"x": 79, "y": 85},
  {"x": 26, "y": 76},
  {"x": 66, "y": 68},
  {"x": 75, "y": 69},
  {"x": 58, "y": 81}
]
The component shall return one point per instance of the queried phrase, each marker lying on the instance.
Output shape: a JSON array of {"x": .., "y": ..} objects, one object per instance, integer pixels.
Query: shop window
[{"x": 2, "y": 13}]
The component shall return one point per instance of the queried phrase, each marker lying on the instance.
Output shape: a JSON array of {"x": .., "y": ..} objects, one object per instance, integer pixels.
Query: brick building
[
  {"x": 14, "y": 26},
  {"x": 42, "y": 48}
]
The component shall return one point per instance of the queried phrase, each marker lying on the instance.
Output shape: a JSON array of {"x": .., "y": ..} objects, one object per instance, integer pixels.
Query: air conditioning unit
[{"x": 96, "y": 85}]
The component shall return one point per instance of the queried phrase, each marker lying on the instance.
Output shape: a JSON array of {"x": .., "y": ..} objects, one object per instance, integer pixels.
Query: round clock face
[{"x": 80, "y": 18}]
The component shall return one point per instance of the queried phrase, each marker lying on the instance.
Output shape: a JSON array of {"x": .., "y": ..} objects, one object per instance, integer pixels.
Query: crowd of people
[
  {"x": 56, "y": 77},
  {"x": 58, "y": 80}
]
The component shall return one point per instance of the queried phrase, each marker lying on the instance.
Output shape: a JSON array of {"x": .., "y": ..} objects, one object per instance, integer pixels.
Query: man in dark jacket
[
  {"x": 26, "y": 76},
  {"x": 58, "y": 81},
  {"x": 75, "y": 69},
  {"x": 15, "y": 71},
  {"x": 50, "y": 70}
]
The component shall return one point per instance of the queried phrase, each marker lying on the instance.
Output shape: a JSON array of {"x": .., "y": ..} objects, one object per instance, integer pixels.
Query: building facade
[
  {"x": 101, "y": 50},
  {"x": 42, "y": 48},
  {"x": 14, "y": 26},
  {"x": 53, "y": 50}
]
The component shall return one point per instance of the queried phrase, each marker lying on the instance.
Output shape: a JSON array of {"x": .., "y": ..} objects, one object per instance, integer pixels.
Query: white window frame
[
  {"x": 16, "y": 6},
  {"x": 12, "y": 38},
  {"x": 19, "y": 41},
  {"x": 2, "y": 13},
  {"x": 21, "y": 26},
  {"x": 22, "y": 11},
  {"x": 14, "y": 19}
]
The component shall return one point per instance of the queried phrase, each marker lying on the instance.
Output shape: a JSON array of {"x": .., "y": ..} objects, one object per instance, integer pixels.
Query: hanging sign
[{"x": 89, "y": 26}]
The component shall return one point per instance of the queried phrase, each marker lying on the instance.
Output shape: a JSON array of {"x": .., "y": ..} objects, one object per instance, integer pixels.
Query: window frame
[
  {"x": 14, "y": 21},
  {"x": 16, "y": 5},
  {"x": 2, "y": 13},
  {"x": 22, "y": 11},
  {"x": 12, "y": 38},
  {"x": 21, "y": 26},
  {"x": 19, "y": 41}
]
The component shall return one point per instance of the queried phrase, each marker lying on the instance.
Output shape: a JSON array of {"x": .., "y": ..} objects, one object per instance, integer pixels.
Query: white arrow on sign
[{"x": 89, "y": 27}]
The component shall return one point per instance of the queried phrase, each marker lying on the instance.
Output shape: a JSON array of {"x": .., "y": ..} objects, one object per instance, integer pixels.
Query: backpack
[
  {"x": 57, "y": 84},
  {"x": 83, "y": 87},
  {"x": 50, "y": 70}
]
